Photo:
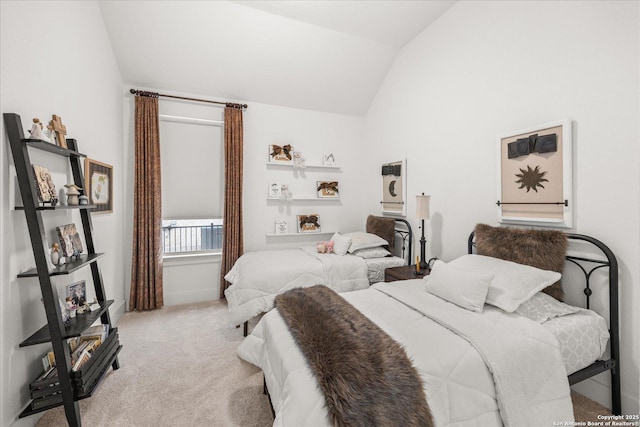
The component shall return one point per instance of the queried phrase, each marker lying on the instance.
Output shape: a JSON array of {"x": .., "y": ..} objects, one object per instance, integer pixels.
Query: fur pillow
[
  {"x": 543, "y": 249},
  {"x": 383, "y": 227}
]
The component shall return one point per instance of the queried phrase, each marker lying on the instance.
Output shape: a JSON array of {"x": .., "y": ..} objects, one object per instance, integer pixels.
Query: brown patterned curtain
[
  {"x": 146, "y": 270},
  {"x": 232, "y": 246}
]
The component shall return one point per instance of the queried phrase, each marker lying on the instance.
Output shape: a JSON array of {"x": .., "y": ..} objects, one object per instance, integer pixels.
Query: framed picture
[
  {"x": 282, "y": 226},
  {"x": 535, "y": 176},
  {"x": 44, "y": 184},
  {"x": 275, "y": 190},
  {"x": 394, "y": 185},
  {"x": 280, "y": 153},
  {"x": 327, "y": 189},
  {"x": 328, "y": 159},
  {"x": 98, "y": 178},
  {"x": 309, "y": 223},
  {"x": 77, "y": 292},
  {"x": 70, "y": 242}
]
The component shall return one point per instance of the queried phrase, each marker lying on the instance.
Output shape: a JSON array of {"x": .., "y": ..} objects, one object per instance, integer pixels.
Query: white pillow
[
  {"x": 340, "y": 244},
  {"x": 372, "y": 253},
  {"x": 362, "y": 240},
  {"x": 542, "y": 307},
  {"x": 512, "y": 283},
  {"x": 462, "y": 288}
]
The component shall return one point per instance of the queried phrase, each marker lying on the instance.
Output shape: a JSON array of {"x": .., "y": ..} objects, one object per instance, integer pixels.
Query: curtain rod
[{"x": 155, "y": 94}]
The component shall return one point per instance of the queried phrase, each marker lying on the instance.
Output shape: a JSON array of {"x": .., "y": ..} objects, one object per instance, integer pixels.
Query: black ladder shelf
[{"x": 73, "y": 385}]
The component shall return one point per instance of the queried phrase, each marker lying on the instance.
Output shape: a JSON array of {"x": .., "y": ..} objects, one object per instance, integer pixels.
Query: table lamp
[{"x": 422, "y": 212}]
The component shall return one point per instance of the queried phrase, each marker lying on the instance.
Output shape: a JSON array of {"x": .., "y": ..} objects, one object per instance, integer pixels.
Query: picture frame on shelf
[
  {"x": 281, "y": 226},
  {"x": 77, "y": 292},
  {"x": 70, "y": 242},
  {"x": 275, "y": 190},
  {"x": 328, "y": 189},
  {"x": 280, "y": 153},
  {"x": 328, "y": 159},
  {"x": 308, "y": 223},
  {"x": 99, "y": 182},
  {"x": 535, "y": 176}
]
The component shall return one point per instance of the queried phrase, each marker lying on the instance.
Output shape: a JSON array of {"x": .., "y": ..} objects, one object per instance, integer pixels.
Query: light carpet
[{"x": 178, "y": 367}]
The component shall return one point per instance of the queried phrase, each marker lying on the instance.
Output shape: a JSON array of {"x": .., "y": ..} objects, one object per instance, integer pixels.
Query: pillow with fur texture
[
  {"x": 383, "y": 227},
  {"x": 543, "y": 249}
]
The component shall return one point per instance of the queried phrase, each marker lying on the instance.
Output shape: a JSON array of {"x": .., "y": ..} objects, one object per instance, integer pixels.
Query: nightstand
[{"x": 404, "y": 272}]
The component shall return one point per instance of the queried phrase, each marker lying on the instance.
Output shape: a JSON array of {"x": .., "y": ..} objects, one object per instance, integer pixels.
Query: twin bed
[{"x": 487, "y": 334}]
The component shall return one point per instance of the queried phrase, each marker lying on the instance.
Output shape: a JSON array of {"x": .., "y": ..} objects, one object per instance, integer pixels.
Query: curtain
[
  {"x": 146, "y": 270},
  {"x": 232, "y": 246}
]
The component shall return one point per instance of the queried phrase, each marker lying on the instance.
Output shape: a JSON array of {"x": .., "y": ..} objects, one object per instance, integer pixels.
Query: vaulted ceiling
[{"x": 320, "y": 55}]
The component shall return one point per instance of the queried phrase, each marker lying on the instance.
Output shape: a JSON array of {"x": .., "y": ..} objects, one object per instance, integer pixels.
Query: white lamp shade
[{"x": 422, "y": 206}]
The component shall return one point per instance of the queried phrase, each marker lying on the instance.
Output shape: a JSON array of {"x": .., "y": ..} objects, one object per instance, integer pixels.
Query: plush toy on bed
[{"x": 325, "y": 247}]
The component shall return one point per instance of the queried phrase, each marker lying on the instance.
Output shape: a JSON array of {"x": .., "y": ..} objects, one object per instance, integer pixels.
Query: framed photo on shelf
[
  {"x": 275, "y": 190},
  {"x": 535, "y": 176},
  {"x": 328, "y": 159},
  {"x": 280, "y": 153},
  {"x": 70, "y": 242},
  {"x": 327, "y": 189},
  {"x": 77, "y": 292},
  {"x": 98, "y": 178},
  {"x": 281, "y": 226},
  {"x": 309, "y": 223}
]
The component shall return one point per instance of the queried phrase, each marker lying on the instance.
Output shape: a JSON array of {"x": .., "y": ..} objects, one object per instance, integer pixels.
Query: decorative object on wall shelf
[
  {"x": 274, "y": 191},
  {"x": 299, "y": 162},
  {"x": 37, "y": 130},
  {"x": 59, "y": 130},
  {"x": 70, "y": 240},
  {"x": 99, "y": 181},
  {"x": 285, "y": 194},
  {"x": 328, "y": 159},
  {"x": 309, "y": 223},
  {"x": 535, "y": 176},
  {"x": 77, "y": 292},
  {"x": 72, "y": 194},
  {"x": 44, "y": 183},
  {"x": 281, "y": 226},
  {"x": 394, "y": 184},
  {"x": 55, "y": 254},
  {"x": 327, "y": 189},
  {"x": 280, "y": 153}
]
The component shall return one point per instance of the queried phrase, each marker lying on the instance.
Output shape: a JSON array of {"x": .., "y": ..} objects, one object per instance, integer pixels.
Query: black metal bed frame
[
  {"x": 405, "y": 235},
  {"x": 613, "y": 363}
]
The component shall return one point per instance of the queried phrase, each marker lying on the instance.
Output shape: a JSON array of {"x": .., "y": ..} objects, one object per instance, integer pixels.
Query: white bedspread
[
  {"x": 257, "y": 277},
  {"x": 479, "y": 370}
]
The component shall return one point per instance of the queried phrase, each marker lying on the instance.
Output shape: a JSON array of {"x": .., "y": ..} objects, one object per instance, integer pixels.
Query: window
[
  {"x": 192, "y": 157},
  {"x": 192, "y": 235}
]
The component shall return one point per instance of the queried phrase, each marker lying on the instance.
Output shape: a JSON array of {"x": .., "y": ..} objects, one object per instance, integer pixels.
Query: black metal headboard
[
  {"x": 588, "y": 266},
  {"x": 407, "y": 238}
]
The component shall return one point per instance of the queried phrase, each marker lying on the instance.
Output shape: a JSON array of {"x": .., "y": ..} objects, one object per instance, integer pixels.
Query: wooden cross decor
[{"x": 60, "y": 130}]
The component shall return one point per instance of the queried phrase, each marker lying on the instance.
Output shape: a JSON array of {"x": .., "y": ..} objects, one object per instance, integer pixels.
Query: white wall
[
  {"x": 191, "y": 279},
  {"x": 486, "y": 68},
  {"x": 55, "y": 59}
]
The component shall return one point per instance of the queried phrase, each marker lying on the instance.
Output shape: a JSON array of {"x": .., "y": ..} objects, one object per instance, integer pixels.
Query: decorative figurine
[
  {"x": 71, "y": 307},
  {"x": 37, "y": 130},
  {"x": 55, "y": 253},
  {"x": 72, "y": 194},
  {"x": 285, "y": 194},
  {"x": 299, "y": 162},
  {"x": 84, "y": 200}
]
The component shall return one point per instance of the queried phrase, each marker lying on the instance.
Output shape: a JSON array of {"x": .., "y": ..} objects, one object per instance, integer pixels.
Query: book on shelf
[
  {"x": 82, "y": 359},
  {"x": 46, "y": 401},
  {"x": 47, "y": 390}
]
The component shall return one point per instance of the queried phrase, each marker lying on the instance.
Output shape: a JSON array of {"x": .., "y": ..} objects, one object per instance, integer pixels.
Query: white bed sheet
[{"x": 582, "y": 336}]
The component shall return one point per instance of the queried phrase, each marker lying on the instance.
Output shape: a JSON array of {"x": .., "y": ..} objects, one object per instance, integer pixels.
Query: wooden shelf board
[
  {"x": 306, "y": 199},
  {"x": 307, "y": 166},
  {"x": 51, "y": 147},
  {"x": 67, "y": 268},
  {"x": 300, "y": 234},
  {"x": 58, "y": 207},
  {"x": 73, "y": 328}
]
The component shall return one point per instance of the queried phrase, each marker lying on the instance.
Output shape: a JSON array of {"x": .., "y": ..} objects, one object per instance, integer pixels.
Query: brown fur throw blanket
[{"x": 366, "y": 376}]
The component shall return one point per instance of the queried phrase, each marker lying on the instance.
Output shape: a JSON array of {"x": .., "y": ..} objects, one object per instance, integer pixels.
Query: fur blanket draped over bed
[{"x": 366, "y": 376}]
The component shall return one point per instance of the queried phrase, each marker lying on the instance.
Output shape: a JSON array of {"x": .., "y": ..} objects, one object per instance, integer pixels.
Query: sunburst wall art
[{"x": 535, "y": 176}]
